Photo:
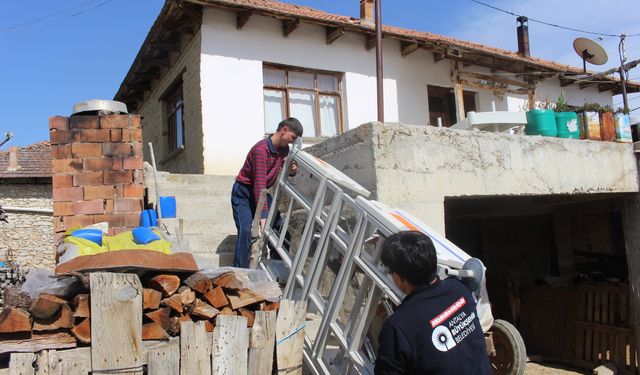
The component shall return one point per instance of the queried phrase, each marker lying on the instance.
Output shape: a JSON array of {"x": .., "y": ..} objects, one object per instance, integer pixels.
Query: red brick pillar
[{"x": 97, "y": 171}]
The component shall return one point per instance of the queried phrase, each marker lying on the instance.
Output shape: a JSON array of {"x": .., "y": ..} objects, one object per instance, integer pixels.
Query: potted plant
[
  {"x": 623, "y": 125},
  {"x": 540, "y": 120},
  {"x": 566, "y": 120},
  {"x": 607, "y": 124},
  {"x": 592, "y": 121}
]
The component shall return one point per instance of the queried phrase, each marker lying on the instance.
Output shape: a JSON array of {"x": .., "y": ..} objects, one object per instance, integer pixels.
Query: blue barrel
[{"x": 541, "y": 122}]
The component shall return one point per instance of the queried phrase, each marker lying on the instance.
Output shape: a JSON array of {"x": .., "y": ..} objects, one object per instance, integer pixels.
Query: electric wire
[
  {"x": 551, "y": 24},
  {"x": 43, "y": 18}
]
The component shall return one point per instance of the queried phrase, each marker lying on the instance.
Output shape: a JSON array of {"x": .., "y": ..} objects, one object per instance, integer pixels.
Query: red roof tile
[
  {"x": 315, "y": 14},
  {"x": 32, "y": 161}
]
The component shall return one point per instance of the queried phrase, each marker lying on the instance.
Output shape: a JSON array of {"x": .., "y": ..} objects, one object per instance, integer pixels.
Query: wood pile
[{"x": 52, "y": 321}]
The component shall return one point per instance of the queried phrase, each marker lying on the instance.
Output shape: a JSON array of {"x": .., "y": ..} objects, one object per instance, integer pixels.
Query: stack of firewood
[{"x": 167, "y": 299}]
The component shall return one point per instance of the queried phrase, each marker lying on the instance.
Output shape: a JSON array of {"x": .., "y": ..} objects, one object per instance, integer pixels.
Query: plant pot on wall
[
  {"x": 623, "y": 127},
  {"x": 592, "y": 125},
  {"x": 567, "y": 125},
  {"x": 607, "y": 126},
  {"x": 541, "y": 122}
]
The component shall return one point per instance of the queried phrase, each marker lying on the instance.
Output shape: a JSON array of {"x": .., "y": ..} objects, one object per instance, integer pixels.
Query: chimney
[
  {"x": 366, "y": 12},
  {"x": 13, "y": 159},
  {"x": 523, "y": 36}
]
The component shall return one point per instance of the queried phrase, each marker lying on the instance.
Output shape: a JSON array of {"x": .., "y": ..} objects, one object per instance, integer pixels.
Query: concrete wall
[
  {"x": 28, "y": 238},
  {"x": 415, "y": 168},
  {"x": 154, "y": 126}
]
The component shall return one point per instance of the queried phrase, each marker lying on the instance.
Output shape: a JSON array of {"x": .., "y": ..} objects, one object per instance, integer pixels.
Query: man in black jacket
[{"x": 436, "y": 329}]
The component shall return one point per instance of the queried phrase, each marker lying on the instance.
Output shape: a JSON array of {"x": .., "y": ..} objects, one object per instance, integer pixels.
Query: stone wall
[{"x": 27, "y": 238}]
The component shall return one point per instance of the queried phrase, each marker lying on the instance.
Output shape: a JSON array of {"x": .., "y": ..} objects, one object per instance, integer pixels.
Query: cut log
[
  {"x": 244, "y": 297},
  {"x": 153, "y": 331},
  {"x": 81, "y": 304},
  {"x": 228, "y": 311},
  {"x": 208, "y": 326},
  {"x": 199, "y": 282},
  {"x": 204, "y": 310},
  {"x": 216, "y": 297},
  {"x": 151, "y": 298},
  {"x": 13, "y": 319},
  {"x": 188, "y": 295},
  {"x": 63, "y": 319},
  {"x": 229, "y": 280},
  {"x": 46, "y": 305},
  {"x": 82, "y": 331},
  {"x": 167, "y": 284},
  {"x": 160, "y": 317},
  {"x": 37, "y": 343},
  {"x": 14, "y": 297},
  {"x": 269, "y": 306},
  {"x": 174, "y": 326},
  {"x": 174, "y": 302},
  {"x": 250, "y": 315}
]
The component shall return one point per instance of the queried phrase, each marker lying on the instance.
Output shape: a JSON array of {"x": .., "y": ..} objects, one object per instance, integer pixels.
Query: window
[
  {"x": 175, "y": 117},
  {"x": 313, "y": 97},
  {"x": 442, "y": 104}
]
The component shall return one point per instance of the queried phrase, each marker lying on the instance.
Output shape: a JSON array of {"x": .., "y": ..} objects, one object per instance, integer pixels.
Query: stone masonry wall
[
  {"x": 97, "y": 171},
  {"x": 27, "y": 238}
]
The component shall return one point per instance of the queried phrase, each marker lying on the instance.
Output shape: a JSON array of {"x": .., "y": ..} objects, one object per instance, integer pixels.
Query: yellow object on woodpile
[{"x": 122, "y": 241}]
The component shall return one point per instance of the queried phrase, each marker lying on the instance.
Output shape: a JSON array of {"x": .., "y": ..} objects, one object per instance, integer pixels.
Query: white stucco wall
[{"x": 231, "y": 73}]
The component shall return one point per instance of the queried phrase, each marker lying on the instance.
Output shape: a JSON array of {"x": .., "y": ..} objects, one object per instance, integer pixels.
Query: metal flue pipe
[{"x": 379, "y": 70}]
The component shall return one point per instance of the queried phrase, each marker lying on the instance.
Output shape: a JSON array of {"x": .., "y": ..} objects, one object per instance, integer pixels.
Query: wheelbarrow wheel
[{"x": 511, "y": 354}]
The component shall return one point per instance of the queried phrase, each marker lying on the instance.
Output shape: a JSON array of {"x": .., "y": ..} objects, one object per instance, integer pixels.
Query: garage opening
[{"x": 556, "y": 269}]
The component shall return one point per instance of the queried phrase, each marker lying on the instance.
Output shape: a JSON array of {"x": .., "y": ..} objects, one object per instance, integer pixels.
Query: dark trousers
[{"x": 244, "y": 207}]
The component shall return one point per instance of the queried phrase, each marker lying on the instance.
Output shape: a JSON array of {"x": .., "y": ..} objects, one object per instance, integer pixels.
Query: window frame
[
  {"x": 173, "y": 99},
  {"x": 316, "y": 91},
  {"x": 450, "y": 106}
]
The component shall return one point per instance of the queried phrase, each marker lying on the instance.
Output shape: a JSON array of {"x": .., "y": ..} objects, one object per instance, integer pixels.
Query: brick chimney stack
[
  {"x": 523, "y": 36},
  {"x": 97, "y": 171},
  {"x": 367, "y": 16},
  {"x": 13, "y": 159}
]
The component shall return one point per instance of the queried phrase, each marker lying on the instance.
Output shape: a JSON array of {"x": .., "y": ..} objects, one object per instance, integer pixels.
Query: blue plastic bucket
[{"x": 168, "y": 207}]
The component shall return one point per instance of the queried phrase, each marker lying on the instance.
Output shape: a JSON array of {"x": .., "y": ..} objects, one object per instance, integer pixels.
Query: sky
[{"x": 54, "y": 54}]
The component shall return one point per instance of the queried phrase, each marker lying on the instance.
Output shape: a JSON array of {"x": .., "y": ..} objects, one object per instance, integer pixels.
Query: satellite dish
[{"x": 590, "y": 51}]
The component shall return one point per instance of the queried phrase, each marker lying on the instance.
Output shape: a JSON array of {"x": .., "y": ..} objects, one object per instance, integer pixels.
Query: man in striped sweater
[{"x": 260, "y": 171}]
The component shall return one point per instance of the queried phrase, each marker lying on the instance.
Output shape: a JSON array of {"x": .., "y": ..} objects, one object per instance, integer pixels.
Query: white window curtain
[
  {"x": 328, "y": 115},
  {"x": 274, "y": 110},
  {"x": 302, "y": 105}
]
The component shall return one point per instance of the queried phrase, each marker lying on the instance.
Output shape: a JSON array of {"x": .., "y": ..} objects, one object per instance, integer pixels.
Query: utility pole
[
  {"x": 379, "y": 70},
  {"x": 623, "y": 72}
]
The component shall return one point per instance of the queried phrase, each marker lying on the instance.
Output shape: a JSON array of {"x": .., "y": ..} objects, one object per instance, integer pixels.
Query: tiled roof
[
  {"x": 293, "y": 10},
  {"x": 32, "y": 161}
]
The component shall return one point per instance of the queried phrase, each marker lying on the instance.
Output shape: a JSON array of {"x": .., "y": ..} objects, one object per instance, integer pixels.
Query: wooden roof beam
[
  {"x": 565, "y": 81},
  {"x": 242, "y": 18},
  {"x": 602, "y": 87},
  {"x": 584, "y": 85},
  {"x": 437, "y": 57},
  {"x": 371, "y": 42},
  {"x": 289, "y": 25},
  {"x": 407, "y": 48},
  {"x": 333, "y": 33}
]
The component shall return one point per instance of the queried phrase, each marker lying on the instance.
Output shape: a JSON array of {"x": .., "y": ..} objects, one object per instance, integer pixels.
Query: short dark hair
[
  {"x": 293, "y": 124},
  {"x": 410, "y": 254}
]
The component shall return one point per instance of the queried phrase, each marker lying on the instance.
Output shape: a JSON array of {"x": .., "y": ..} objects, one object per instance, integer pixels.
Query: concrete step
[
  {"x": 214, "y": 226},
  {"x": 211, "y": 244}
]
